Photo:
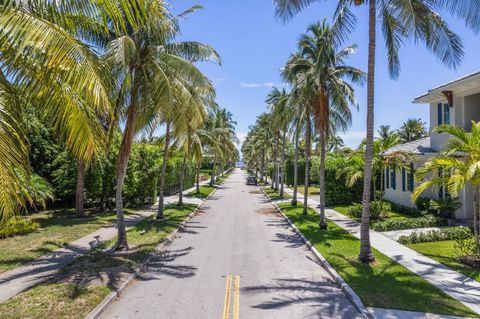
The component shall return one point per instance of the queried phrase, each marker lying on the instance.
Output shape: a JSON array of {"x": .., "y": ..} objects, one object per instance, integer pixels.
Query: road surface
[{"x": 236, "y": 259}]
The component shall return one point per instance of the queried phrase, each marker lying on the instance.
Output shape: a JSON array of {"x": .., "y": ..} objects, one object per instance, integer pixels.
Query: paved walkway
[
  {"x": 238, "y": 258},
  {"x": 460, "y": 287},
  {"x": 21, "y": 278}
]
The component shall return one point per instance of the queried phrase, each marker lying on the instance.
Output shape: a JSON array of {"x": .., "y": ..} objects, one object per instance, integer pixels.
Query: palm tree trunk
[
  {"x": 366, "y": 255},
  {"x": 277, "y": 163},
  {"x": 163, "y": 173},
  {"x": 182, "y": 178},
  {"x": 283, "y": 164},
  {"x": 79, "y": 194},
  {"x": 197, "y": 174},
  {"x": 274, "y": 177},
  {"x": 307, "y": 167},
  {"x": 382, "y": 186},
  {"x": 122, "y": 163},
  {"x": 323, "y": 222},
  {"x": 262, "y": 167},
  {"x": 476, "y": 200},
  {"x": 295, "y": 170},
  {"x": 212, "y": 178}
]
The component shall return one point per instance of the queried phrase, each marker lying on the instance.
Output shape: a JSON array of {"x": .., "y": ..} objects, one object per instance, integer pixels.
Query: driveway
[{"x": 236, "y": 259}]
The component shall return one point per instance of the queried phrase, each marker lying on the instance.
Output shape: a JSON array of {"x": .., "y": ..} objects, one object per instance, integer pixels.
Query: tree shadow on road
[{"x": 163, "y": 264}]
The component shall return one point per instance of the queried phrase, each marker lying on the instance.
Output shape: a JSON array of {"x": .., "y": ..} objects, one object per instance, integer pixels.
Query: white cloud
[{"x": 259, "y": 85}]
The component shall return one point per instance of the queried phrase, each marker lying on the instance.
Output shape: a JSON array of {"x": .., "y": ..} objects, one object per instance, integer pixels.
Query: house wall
[
  {"x": 403, "y": 197},
  {"x": 437, "y": 140},
  {"x": 471, "y": 111}
]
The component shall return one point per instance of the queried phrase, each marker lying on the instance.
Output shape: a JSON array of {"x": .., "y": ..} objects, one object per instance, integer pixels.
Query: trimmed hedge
[
  {"x": 409, "y": 223},
  {"x": 453, "y": 233},
  {"x": 336, "y": 190}
]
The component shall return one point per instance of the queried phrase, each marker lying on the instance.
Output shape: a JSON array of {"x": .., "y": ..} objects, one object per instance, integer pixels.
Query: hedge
[
  {"x": 409, "y": 223},
  {"x": 452, "y": 233}
]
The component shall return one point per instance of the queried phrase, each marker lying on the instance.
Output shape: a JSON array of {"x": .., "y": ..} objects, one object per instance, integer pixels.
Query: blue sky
[{"x": 254, "y": 46}]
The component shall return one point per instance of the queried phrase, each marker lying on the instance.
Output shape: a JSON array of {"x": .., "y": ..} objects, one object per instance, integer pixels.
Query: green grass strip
[
  {"x": 205, "y": 191},
  {"x": 384, "y": 284}
]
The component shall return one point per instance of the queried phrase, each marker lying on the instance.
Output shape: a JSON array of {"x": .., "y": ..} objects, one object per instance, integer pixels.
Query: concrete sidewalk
[
  {"x": 458, "y": 286},
  {"x": 21, "y": 278}
]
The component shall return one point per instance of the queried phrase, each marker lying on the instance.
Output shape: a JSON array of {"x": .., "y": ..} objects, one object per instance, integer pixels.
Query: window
[
  {"x": 387, "y": 177},
  {"x": 411, "y": 178},
  {"x": 439, "y": 114},
  {"x": 446, "y": 114},
  {"x": 393, "y": 178},
  {"x": 403, "y": 179}
]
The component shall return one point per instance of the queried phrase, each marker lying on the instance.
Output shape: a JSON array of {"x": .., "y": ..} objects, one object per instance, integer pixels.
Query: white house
[{"x": 456, "y": 102}]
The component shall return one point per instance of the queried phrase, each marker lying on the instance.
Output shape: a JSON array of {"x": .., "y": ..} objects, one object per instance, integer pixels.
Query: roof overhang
[{"x": 467, "y": 85}]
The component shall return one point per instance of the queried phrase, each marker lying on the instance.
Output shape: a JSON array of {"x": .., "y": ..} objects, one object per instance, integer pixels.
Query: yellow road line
[
  {"x": 236, "y": 298},
  {"x": 226, "y": 303}
]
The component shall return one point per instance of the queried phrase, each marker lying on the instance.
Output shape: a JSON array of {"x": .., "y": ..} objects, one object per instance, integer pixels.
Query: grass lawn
[
  {"x": 385, "y": 284},
  {"x": 56, "y": 230},
  {"x": 205, "y": 191},
  {"x": 274, "y": 195},
  {"x": 98, "y": 271},
  {"x": 312, "y": 190},
  {"x": 443, "y": 252}
]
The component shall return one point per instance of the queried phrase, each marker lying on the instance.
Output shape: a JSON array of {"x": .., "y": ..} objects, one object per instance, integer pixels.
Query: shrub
[
  {"x": 355, "y": 210},
  {"x": 453, "y": 233},
  {"x": 409, "y": 223},
  {"x": 378, "y": 210},
  {"x": 424, "y": 204},
  {"x": 410, "y": 211},
  {"x": 464, "y": 247},
  {"x": 17, "y": 226}
]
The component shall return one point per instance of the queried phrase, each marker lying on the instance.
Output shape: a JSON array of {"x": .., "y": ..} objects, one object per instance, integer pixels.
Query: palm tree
[
  {"x": 460, "y": 158},
  {"x": 411, "y": 130},
  {"x": 384, "y": 132},
  {"x": 335, "y": 143},
  {"x": 278, "y": 101},
  {"x": 401, "y": 20},
  {"x": 323, "y": 69},
  {"x": 154, "y": 72},
  {"x": 46, "y": 61}
]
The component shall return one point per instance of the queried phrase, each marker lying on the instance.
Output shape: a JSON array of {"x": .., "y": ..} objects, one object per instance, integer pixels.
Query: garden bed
[
  {"x": 83, "y": 284},
  {"x": 205, "y": 191}
]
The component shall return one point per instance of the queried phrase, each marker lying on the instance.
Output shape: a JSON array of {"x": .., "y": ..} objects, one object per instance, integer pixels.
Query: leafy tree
[
  {"x": 417, "y": 20},
  {"x": 413, "y": 129}
]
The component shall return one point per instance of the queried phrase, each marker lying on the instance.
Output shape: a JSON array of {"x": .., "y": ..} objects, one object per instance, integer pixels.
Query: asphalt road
[{"x": 236, "y": 259}]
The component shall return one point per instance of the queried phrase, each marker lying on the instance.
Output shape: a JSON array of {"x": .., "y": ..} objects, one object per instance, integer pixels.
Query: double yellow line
[{"x": 228, "y": 296}]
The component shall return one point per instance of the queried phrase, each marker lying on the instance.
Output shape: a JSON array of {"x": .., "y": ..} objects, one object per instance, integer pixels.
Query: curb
[
  {"x": 143, "y": 266},
  {"x": 341, "y": 283}
]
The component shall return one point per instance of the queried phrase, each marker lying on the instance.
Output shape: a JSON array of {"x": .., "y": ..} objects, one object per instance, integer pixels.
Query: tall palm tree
[
  {"x": 460, "y": 158},
  {"x": 153, "y": 72},
  {"x": 384, "y": 132},
  {"x": 46, "y": 61},
  {"x": 417, "y": 20},
  {"x": 335, "y": 143},
  {"x": 412, "y": 129}
]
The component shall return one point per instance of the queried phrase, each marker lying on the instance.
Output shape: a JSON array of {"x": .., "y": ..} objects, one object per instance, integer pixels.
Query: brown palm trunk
[
  {"x": 282, "y": 180},
  {"x": 212, "y": 178},
  {"x": 163, "y": 173},
  {"x": 476, "y": 199},
  {"x": 307, "y": 166},
  {"x": 262, "y": 167},
  {"x": 366, "y": 255},
  {"x": 122, "y": 163},
  {"x": 79, "y": 194},
  {"x": 295, "y": 170},
  {"x": 197, "y": 174},
  {"x": 182, "y": 178},
  {"x": 323, "y": 222}
]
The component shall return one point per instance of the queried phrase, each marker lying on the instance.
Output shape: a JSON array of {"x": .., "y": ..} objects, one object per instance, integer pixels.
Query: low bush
[
  {"x": 424, "y": 204},
  {"x": 17, "y": 226},
  {"x": 410, "y": 211},
  {"x": 453, "y": 233},
  {"x": 378, "y": 210},
  {"x": 409, "y": 223}
]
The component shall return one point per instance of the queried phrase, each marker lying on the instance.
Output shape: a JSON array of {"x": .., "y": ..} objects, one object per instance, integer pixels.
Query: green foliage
[
  {"x": 451, "y": 233},
  {"x": 446, "y": 206},
  {"x": 411, "y": 211},
  {"x": 378, "y": 210},
  {"x": 424, "y": 204},
  {"x": 17, "y": 226},
  {"x": 465, "y": 247},
  {"x": 409, "y": 223}
]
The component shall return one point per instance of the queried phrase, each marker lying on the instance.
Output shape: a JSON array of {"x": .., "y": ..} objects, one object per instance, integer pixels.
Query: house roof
[
  {"x": 418, "y": 147},
  {"x": 466, "y": 85}
]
